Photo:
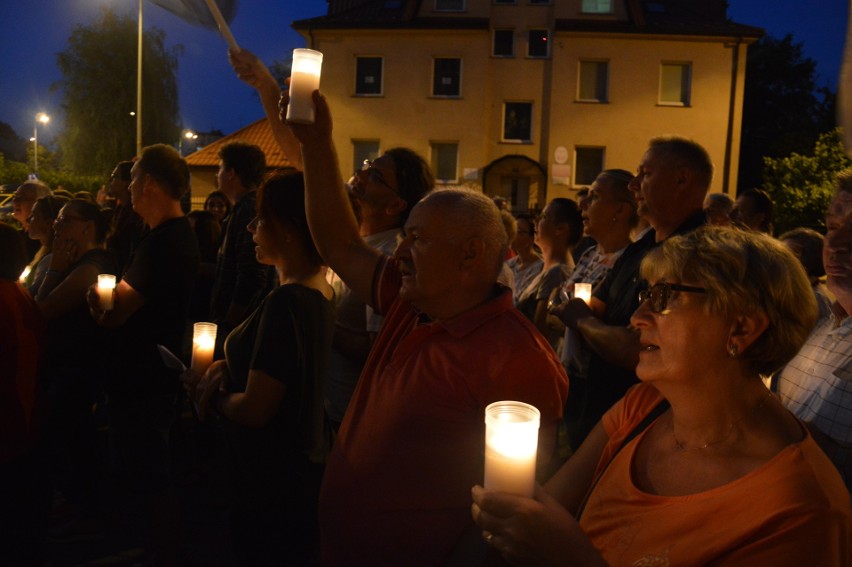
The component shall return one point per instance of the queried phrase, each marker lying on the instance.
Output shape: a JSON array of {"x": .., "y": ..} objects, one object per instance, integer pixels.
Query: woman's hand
[
  {"x": 251, "y": 70},
  {"x": 210, "y": 385},
  {"x": 65, "y": 253},
  {"x": 530, "y": 531}
]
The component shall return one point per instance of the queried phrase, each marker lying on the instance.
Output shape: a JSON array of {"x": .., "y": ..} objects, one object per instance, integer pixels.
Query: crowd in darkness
[{"x": 696, "y": 408}]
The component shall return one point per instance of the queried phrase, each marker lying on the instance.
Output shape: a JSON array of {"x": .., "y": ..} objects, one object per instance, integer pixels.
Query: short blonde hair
[{"x": 744, "y": 273}]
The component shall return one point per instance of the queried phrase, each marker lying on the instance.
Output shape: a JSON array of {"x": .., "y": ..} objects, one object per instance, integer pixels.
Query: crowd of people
[{"x": 364, "y": 325}]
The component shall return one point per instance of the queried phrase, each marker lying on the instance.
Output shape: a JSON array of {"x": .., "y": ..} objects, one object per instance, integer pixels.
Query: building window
[
  {"x": 361, "y": 150},
  {"x": 593, "y": 81},
  {"x": 588, "y": 164},
  {"x": 539, "y": 1},
  {"x": 517, "y": 122},
  {"x": 504, "y": 43},
  {"x": 449, "y": 5},
  {"x": 368, "y": 76},
  {"x": 675, "y": 81},
  {"x": 446, "y": 80},
  {"x": 538, "y": 40},
  {"x": 445, "y": 161},
  {"x": 596, "y": 7},
  {"x": 504, "y": 1}
]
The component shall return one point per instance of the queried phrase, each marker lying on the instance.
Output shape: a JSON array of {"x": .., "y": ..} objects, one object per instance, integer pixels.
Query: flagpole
[
  {"x": 223, "y": 25},
  {"x": 139, "y": 86}
]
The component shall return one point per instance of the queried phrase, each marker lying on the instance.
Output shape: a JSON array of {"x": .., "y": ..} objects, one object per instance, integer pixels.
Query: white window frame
[
  {"x": 503, "y": 137},
  {"x": 494, "y": 43},
  {"x": 577, "y": 150},
  {"x": 595, "y": 7},
  {"x": 546, "y": 43},
  {"x": 685, "y": 98},
  {"x": 580, "y": 83},
  {"x": 381, "y": 59},
  {"x": 459, "y": 78},
  {"x": 434, "y": 157}
]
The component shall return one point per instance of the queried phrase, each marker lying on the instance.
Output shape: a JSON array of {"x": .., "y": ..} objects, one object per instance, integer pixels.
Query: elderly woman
[
  {"x": 269, "y": 389},
  {"x": 699, "y": 464}
]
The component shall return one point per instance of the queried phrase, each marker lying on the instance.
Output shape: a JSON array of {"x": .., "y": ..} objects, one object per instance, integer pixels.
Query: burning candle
[
  {"x": 106, "y": 287},
  {"x": 583, "y": 291},
  {"x": 511, "y": 442},
  {"x": 304, "y": 80},
  {"x": 203, "y": 344}
]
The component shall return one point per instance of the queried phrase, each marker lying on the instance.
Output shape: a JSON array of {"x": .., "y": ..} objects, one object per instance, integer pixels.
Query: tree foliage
[
  {"x": 802, "y": 185},
  {"x": 99, "y": 92},
  {"x": 784, "y": 112}
]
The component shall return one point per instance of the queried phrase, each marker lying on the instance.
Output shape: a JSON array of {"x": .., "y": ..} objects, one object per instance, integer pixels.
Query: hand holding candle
[
  {"x": 203, "y": 344},
  {"x": 511, "y": 444},
  {"x": 106, "y": 289},
  {"x": 304, "y": 80},
  {"x": 583, "y": 291}
]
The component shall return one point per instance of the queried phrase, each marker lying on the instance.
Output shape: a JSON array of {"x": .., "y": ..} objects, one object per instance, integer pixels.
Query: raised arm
[
  {"x": 251, "y": 70},
  {"x": 330, "y": 216}
]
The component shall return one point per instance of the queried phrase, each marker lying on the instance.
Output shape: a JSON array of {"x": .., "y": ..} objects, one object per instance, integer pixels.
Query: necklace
[{"x": 681, "y": 447}]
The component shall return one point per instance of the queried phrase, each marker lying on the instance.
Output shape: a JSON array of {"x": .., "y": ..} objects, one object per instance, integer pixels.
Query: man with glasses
[
  {"x": 126, "y": 226},
  {"x": 670, "y": 186},
  {"x": 397, "y": 483}
]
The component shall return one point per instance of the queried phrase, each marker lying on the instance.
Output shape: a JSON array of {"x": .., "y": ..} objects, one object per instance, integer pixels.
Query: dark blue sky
[{"x": 32, "y": 32}]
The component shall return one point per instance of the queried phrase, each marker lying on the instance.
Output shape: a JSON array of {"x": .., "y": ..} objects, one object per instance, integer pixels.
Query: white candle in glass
[
  {"x": 583, "y": 291},
  {"x": 304, "y": 80},
  {"x": 203, "y": 344},
  {"x": 511, "y": 443},
  {"x": 106, "y": 287}
]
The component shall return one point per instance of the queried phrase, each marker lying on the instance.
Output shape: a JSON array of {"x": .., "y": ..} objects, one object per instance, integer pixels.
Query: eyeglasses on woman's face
[{"x": 658, "y": 295}]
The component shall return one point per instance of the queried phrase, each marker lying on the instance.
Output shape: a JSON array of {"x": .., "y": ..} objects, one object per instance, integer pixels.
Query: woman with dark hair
[
  {"x": 558, "y": 230},
  {"x": 40, "y": 228},
  {"x": 72, "y": 374},
  {"x": 218, "y": 205},
  {"x": 269, "y": 389}
]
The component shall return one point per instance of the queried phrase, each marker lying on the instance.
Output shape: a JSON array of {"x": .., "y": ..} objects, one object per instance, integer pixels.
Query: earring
[{"x": 732, "y": 350}]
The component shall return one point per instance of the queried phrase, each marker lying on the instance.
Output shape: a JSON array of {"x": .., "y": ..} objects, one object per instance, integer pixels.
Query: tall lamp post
[
  {"x": 139, "y": 85},
  {"x": 44, "y": 119}
]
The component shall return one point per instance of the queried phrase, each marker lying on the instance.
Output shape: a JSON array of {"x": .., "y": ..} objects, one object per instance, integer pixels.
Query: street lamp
[
  {"x": 189, "y": 135},
  {"x": 44, "y": 119}
]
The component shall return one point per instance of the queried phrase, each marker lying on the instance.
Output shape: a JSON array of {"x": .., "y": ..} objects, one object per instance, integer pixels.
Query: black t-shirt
[
  {"x": 289, "y": 338},
  {"x": 162, "y": 269},
  {"x": 75, "y": 343}
]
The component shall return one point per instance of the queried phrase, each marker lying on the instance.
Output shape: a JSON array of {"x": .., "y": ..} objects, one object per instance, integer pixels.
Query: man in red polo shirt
[{"x": 397, "y": 483}]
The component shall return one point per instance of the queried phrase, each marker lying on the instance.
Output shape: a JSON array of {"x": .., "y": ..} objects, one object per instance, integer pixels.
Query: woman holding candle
[
  {"x": 40, "y": 228},
  {"x": 557, "y": 231},
  {"x": 701, "y": 439},
  {"x": 72, "y": 374},
  {"x": 269, "y": 388}
]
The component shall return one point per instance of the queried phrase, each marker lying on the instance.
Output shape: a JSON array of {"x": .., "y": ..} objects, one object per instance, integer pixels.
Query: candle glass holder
[
  {"x": 583, "y": 291},
  {"x": 106, "y": 289},
  {"x": 511, "y": 445},
  {"x": 203, "y": 345},
  {"x": 304, "y": 80}
]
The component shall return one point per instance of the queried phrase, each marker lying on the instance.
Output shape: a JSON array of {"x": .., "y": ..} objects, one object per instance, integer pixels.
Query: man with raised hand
[{"x": 397, "y": 484}]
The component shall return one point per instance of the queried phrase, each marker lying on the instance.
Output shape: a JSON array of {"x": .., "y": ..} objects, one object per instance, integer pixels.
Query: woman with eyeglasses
[
  {"x": 526, "y": 264},
  {"x": 699, "y": 464},
  {"x": 71, "y": 373}
]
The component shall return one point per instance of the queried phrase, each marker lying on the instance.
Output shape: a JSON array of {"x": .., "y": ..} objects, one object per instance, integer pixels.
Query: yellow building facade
[{"x": 531, "y": 99}]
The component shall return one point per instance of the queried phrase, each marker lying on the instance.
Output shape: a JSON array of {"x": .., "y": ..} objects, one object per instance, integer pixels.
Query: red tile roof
[{"x": 258, "y": 133}]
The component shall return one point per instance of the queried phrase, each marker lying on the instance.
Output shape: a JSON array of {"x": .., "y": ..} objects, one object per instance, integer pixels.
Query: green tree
[
  {"x": 801, "y": 185},
  {"x": 784, "y": 111},
  {"x": 99, "y": 91},
  {"x": 12, "y": 146}
]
